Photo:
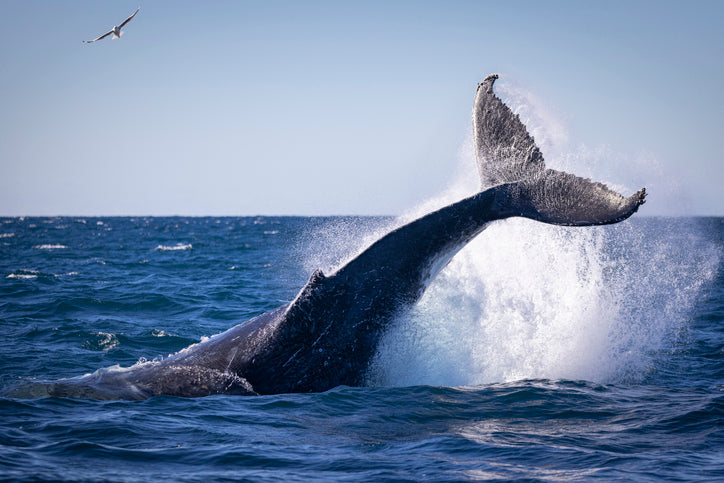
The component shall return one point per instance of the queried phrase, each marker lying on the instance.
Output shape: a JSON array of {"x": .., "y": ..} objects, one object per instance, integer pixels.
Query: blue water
[{"x": 539, "y": 353}]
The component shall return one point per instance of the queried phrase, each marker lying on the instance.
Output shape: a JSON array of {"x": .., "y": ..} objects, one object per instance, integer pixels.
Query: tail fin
[{"x": 507, "y": 155}]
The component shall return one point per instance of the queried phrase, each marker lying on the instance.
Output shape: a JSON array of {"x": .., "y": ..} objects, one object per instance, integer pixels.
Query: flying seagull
[{"x": 116, "y": 31}]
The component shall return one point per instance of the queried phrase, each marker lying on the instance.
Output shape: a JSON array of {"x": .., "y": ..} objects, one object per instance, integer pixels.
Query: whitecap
[
  {"x": 56, "y": 246},
  {"x": 178, "y": 246},
  {"x": 7, "y": 235},
  {"x": 22, "y": 276},
  {"x": 69, "y": 274}
]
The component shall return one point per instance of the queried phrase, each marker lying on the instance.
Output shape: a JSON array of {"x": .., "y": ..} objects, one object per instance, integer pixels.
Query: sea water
[{"x": 539, "y": 353}]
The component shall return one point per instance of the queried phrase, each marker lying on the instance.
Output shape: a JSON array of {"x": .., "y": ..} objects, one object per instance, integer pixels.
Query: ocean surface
[{"x": 539, "y": 353}]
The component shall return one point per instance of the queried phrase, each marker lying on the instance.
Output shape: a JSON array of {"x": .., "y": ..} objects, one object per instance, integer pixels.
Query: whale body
[{"x": 329, "y": 333}]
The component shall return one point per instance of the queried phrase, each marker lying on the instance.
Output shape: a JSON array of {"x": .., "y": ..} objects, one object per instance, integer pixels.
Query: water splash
[
  {"x": 526, "y": 300},
  {"x": 332, "y": 244}
]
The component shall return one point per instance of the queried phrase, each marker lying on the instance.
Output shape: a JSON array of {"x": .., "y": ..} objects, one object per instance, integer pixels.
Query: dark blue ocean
[{"x": 539, "y": 353}]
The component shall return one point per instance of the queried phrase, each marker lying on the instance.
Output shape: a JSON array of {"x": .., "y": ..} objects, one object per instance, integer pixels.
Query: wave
[
  {"x": 67, "y": 274},
  {"x": 55, "y": 246},
  {"x": 101, "y": 341},
  {"x": 24, "y": 274},
  {"x": 178, "y": 246},
  {"x": 31, "y": 274}
]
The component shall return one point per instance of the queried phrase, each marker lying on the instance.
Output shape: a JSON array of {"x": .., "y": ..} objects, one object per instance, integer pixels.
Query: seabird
[{"x": 116, "y": 31}]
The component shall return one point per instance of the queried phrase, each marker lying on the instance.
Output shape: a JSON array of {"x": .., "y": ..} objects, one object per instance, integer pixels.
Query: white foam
[
  {"x": 22, "y": 276},
  {"x": 55, "y": 246},
  {"x": 530, "y": 301},
  {"x": 527, "y": 300},
  {"x": 178, "y": 246}
]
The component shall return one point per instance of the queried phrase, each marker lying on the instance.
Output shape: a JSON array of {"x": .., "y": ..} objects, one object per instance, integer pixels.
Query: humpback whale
[{"x": 328, "y": 334}]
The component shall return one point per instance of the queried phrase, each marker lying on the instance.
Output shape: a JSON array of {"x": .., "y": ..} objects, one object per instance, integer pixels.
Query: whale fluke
[{"x": 507, "y": 154}]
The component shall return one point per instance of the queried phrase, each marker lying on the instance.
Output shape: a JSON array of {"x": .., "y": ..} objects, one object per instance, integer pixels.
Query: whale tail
[{"x": 508, "y": 157}]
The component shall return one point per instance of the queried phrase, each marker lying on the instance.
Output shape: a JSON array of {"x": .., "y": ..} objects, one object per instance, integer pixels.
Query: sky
[{"x": 342, "y": 107}]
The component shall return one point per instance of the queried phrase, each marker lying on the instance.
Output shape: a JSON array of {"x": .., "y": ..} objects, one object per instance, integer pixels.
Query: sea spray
[
  {"x": 338, "y": 240},
  {"x": 526, "y": 300}
]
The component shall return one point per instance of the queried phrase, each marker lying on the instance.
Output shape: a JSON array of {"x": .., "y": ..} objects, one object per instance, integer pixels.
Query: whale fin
[{"x": 507, "y": 155}]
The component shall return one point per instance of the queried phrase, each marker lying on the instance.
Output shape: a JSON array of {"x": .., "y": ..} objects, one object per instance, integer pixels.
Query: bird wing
[
  {"x": 101, "y": 37},
  {"x": 129, "y": 18}
]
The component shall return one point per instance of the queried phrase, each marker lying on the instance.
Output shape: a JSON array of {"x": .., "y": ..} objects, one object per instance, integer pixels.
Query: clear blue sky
[{"x": 276, "y": 107}]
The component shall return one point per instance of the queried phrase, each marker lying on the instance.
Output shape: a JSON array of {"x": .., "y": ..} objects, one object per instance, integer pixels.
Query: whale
[{"x": 330, "y": 332}]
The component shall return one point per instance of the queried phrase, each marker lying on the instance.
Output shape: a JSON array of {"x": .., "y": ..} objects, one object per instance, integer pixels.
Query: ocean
[{"x": 539, "y": 353}]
